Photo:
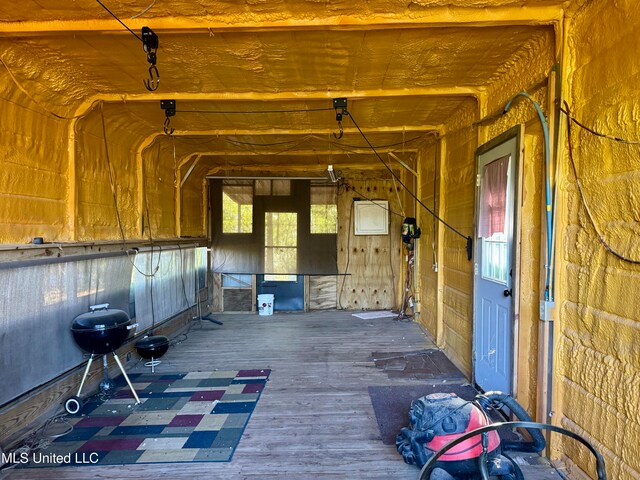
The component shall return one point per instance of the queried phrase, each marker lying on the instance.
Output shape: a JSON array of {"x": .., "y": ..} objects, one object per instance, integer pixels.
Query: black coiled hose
[{"x": 497, "y": 399}]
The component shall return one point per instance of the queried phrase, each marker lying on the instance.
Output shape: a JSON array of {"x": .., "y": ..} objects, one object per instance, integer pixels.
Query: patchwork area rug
[{"x": 183, "y": 417}]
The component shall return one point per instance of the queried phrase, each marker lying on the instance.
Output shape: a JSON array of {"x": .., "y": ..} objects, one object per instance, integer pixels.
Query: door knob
[{"x": 507, "y": 292}]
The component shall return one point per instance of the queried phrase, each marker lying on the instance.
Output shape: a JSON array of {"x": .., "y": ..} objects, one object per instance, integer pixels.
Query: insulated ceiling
[{"x": 406, "y": 67}]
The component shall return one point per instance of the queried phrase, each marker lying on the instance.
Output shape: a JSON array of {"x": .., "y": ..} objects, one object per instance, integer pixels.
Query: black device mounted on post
[{"x": 410, "y": 230}]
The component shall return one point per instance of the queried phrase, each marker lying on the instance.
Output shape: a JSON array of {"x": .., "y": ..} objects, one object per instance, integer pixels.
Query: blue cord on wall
[{"x": 548, "y": 294}]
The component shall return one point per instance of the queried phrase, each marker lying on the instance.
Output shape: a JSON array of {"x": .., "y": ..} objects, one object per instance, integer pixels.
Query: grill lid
[{"x": 101, "y": 317}]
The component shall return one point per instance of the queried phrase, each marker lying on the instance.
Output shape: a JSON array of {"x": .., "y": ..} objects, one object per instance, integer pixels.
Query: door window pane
[
  {"x": 281, "y": 245},
  {"x": 493, "y": 214},
  {"x": 494, "y": 258}
]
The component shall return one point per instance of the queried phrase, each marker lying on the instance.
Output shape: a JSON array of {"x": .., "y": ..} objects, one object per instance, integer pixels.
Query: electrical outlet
[{"x": 435, "y": 267}]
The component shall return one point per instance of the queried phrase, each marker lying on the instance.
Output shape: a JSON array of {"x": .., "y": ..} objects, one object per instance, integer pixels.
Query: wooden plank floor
[{"x": 314, "y": 418}]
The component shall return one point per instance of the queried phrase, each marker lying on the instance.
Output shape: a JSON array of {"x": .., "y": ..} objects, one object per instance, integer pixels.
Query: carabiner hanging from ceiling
[
  {"x": 150, "y": 45},
  {"x": 154, "y": 82},
  {"x": 339, "y": 120}
]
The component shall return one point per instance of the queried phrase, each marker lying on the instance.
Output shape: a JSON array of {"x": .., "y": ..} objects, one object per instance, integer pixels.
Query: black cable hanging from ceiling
[
  {"x": 615, "y": 138},
  {"x": 150, "y": 43},
  {"x": 342, "y": 106},
  {"x": 169, "y": 106},
  {"x": 590, "y": 216}
]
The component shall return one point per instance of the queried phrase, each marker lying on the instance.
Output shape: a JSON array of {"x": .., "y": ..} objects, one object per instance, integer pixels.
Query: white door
[{"x": 493, "y": 269}]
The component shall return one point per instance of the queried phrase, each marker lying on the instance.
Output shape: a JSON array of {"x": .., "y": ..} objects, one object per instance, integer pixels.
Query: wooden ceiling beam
[
  {"x": 305, "y": 169},
  {"x": 337, "y": 152},
  {"x": 324, "y": 155},
  {"x": 399, "y": 129},
  {"x": 317, "y": 95},
  {"x": 328, "y": 156},
  {"x": 210, "y": 25}
]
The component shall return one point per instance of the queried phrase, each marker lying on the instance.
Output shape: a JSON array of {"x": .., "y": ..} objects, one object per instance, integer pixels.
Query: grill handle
[
  {"x": 132, "y": 326},
  {"x": 101, "y": 306}
]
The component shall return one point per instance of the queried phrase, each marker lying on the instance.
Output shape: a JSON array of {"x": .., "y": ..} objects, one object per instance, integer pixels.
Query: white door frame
[{"x": 516, "y": 132}]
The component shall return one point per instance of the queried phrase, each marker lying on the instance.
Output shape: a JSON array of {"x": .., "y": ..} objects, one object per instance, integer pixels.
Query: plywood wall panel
[
  {"x": 371, "y": 261},
  {"x": 237, "y": 299},
  {"x": 322, "y": 292}
]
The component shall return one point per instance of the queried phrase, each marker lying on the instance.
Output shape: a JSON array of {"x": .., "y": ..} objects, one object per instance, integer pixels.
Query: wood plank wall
[
  {"x": 428, "y": 244},
  {"x": 373, "y": 262}
]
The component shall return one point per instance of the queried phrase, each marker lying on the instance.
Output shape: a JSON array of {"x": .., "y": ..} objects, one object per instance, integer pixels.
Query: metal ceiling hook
[
  {"x": 154, "y": 79},
  {"x": 150, "y": 44},
  {"x": 167, "y": 130},
  {"x": 169, "y": 107}
]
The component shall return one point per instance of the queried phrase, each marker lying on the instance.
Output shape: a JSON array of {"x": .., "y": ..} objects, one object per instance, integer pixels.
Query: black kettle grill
[
  {"x": 152, "y": 348},
  {"x": 99, "y": 332}
]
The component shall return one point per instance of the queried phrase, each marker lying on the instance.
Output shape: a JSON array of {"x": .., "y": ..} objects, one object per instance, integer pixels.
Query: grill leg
[
  {"x": 126, "y": 377},
  {"x": 86, "y": 372},
  {"x": 106, "y": 385}
]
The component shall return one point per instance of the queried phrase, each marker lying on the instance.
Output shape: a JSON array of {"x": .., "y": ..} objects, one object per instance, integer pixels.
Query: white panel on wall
[{"x": 371, "y": 217}]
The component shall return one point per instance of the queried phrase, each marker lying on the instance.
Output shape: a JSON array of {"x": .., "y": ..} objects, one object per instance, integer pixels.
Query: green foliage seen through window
[
  {"x": 324, "y": 218},
  {"x": 236, "y": 217}
]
